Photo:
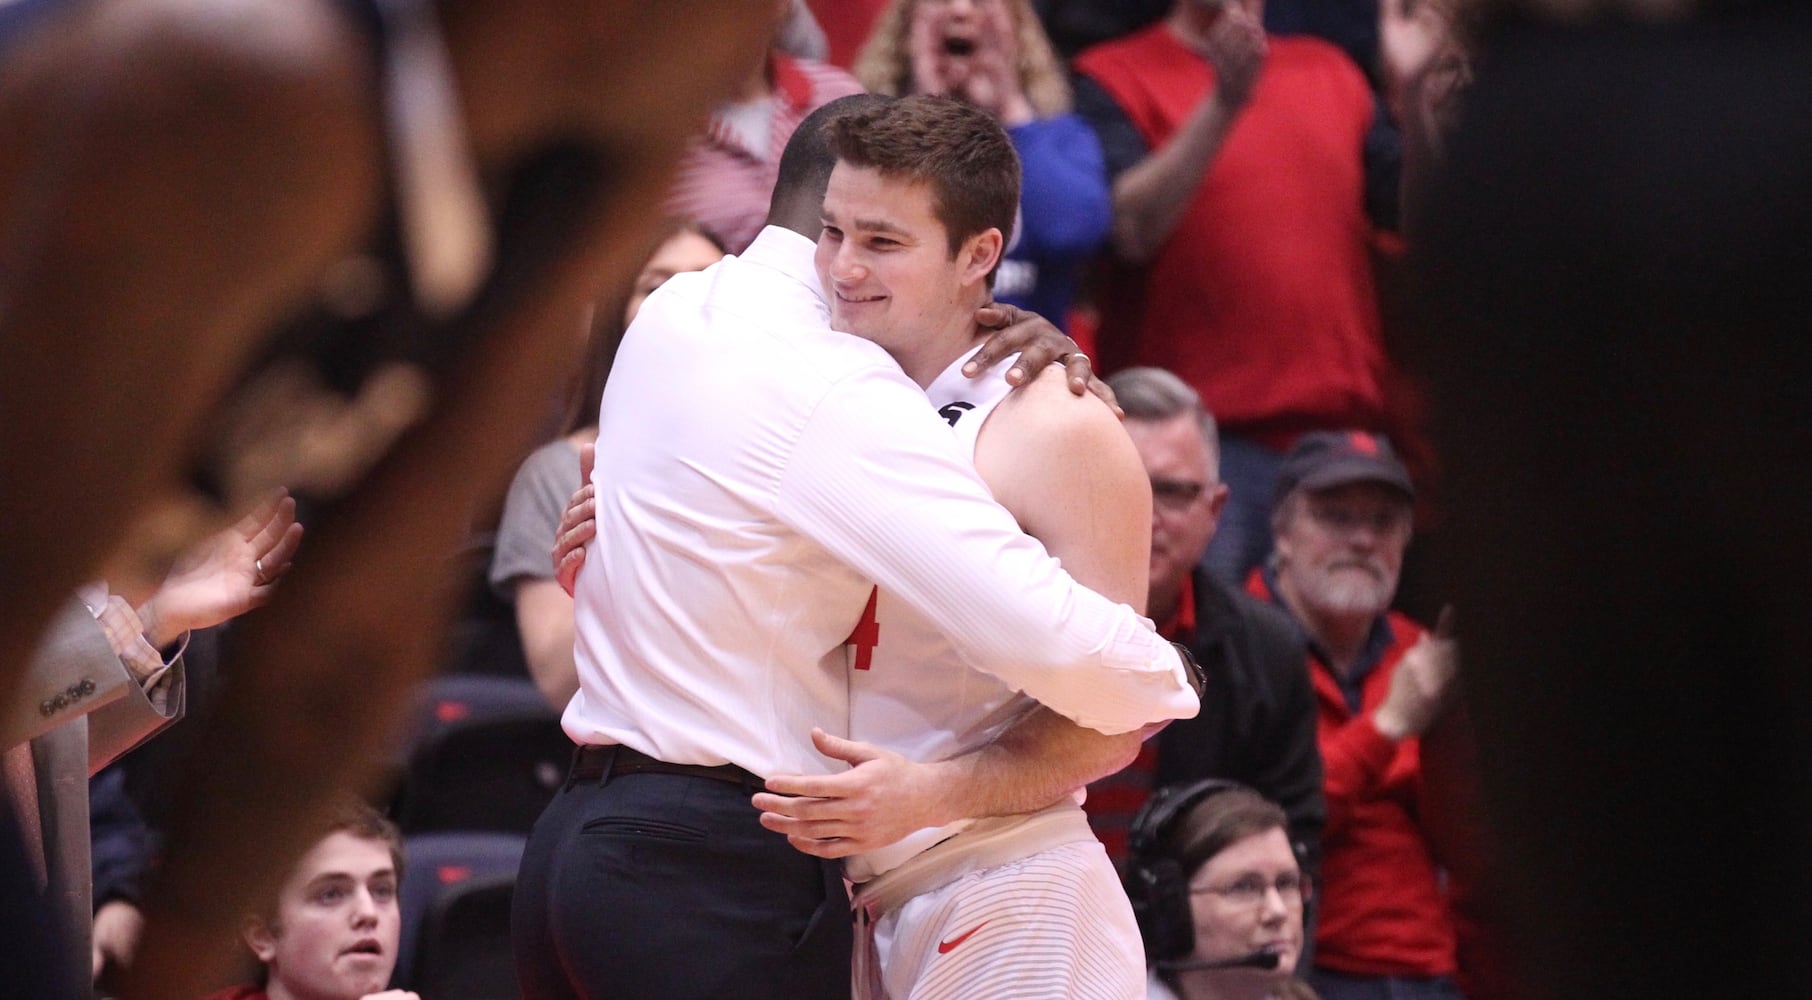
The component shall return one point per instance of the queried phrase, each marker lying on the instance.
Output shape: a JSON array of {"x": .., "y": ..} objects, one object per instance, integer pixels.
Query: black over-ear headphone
[{"x": 1155, "y": 881}]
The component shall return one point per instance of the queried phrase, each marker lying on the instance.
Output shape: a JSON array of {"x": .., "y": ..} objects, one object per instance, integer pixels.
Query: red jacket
[{"x": 1380, "y": 904}]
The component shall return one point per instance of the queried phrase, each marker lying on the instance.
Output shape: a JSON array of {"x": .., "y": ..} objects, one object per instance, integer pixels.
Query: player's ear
[{"x": 980, "y": 253}]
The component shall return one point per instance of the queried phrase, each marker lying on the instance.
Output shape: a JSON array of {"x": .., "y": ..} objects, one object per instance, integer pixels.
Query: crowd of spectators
[{"x": 1210, "y": 189}]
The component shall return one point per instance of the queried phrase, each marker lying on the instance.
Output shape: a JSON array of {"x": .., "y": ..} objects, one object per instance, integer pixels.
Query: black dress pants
[{"x": 667, "y": 887}]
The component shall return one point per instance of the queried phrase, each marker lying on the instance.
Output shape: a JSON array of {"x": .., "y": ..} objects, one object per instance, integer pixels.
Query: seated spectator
[
  {"x": 994, "y": 54},
  {"x": 333, "y": 931},
  {"x": 1257, "y": 723},
  {"x": 1342, "y": 521},
  {"x": 520, "y": 571},
  {"x": 1219, "y": 893}
]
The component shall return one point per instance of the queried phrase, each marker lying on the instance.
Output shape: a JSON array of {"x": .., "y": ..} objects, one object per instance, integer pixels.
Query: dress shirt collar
[{"x": 783, "y": 250}]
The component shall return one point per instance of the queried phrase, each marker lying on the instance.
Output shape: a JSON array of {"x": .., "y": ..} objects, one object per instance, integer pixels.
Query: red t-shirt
[{"x": 1262, "y": 298}]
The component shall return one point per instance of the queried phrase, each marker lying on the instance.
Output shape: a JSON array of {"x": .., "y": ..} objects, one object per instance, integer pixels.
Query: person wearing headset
[{"x": 1218, "y": 893}]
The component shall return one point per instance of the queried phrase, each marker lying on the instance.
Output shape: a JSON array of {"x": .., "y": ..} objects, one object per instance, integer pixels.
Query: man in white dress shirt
[{"x": 759, "y": 476}]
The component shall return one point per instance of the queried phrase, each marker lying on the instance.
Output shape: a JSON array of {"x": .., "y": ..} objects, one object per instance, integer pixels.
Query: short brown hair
[
  {"x": 1218, "y": 822},
  {"x": 357, "y": 817},
  {"x": 959, "y": 150},
  {"x": 352, "y": 816}
]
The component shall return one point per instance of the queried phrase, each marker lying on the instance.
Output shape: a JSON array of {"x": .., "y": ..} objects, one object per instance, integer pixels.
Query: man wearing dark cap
[{"x": 1341, "y": 520}]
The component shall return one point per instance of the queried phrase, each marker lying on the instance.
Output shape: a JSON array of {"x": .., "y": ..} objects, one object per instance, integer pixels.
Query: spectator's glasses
[
  {"x": 1176, "y": 495},
  {"x": 1252, "y": 889}
]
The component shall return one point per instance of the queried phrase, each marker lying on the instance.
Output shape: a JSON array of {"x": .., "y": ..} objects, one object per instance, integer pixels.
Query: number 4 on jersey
[{"x": 867, "y": 633}]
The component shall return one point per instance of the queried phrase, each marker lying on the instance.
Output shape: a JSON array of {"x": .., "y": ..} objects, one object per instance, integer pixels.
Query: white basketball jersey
[{"x": 910, "y": 691}]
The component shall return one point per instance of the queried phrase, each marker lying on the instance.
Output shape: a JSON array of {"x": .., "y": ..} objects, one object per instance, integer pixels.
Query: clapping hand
[{"x": 226, "y": 574}]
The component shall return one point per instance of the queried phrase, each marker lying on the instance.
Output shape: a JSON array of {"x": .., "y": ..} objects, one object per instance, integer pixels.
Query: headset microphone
[{"x": 1256, "y": 960}]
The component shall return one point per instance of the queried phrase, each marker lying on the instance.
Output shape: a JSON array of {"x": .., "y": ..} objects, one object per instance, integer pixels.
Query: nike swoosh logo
[{"x": 946, "y": 947}]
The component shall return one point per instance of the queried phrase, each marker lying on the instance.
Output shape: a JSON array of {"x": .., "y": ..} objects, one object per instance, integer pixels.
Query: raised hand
[
  {"x": 1236, "y": 49},
  {"x": 925, "y": 45},
  {"x": 993, "y": 83},
  {"x": 226, "y": 574},
  {"x": 1419, "y": 688}
]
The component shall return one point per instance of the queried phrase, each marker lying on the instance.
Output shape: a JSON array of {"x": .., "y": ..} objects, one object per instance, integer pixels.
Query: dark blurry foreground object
[
  {"x": 1617, "y": 261},
  {"x": 180, "y": 180}
]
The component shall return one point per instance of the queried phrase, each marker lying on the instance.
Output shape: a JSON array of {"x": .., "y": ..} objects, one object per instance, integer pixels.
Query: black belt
[{"x": 602, "y": 763}]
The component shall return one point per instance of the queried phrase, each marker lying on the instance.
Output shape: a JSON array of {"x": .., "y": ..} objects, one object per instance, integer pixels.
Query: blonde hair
[{"x": 884, "y": 65}]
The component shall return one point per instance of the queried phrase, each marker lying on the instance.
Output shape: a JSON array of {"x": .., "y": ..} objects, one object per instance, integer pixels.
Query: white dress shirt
[{"x": 757, "y": 474}]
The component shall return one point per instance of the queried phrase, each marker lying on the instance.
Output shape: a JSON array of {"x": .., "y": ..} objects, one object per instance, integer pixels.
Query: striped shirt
[{"x": 725, "y": 180}]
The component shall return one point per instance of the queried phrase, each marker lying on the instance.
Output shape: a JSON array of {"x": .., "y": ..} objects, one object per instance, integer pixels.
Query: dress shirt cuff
[{"x": 126, "y": 633}]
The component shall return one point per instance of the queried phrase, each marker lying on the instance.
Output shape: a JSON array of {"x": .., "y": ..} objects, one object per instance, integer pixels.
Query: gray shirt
[{"x": 531, "y": 513}]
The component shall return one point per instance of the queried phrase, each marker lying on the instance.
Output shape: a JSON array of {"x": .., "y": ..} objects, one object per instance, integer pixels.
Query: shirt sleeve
[
  {"x": 1064, "y": 203},
  {"x": 1121, "y": 143},
  {"x": 1290, "y": 768},
  {"x": 72, "y": 671},
  {"x": 1356, "y": 758},
  {"x": 879, "y": 481}
]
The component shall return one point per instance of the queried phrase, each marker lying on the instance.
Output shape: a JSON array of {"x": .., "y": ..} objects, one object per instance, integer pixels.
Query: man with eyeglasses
[
  {"x": 1341, "y": 521},
  {"x": 1257, "y": 723}
]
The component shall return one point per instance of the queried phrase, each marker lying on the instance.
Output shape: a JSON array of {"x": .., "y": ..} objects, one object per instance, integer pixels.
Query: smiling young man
[
  {"x": 915, "y": 217},
  {"x": 333, "y": 934}
]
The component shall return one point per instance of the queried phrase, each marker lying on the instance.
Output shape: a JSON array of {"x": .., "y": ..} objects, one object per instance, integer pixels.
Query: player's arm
[
  {"x": 877, "y": 479},
  {"x": 1066, "y": 470}
]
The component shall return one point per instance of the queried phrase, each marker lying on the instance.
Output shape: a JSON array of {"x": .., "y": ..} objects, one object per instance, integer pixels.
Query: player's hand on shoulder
[{"x": 1038, "y": 343}]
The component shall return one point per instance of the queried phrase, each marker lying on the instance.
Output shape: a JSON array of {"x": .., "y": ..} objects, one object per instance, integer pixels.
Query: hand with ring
[
  {"x": 226, "y": 574},
  {"x": 1038, "y": 342}
]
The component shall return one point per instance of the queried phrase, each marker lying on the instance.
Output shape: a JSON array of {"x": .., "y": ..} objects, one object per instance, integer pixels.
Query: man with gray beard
[{"x": 1341, "y": 521}]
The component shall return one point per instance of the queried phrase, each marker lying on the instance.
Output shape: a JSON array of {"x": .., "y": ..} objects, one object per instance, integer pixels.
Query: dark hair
[
  {"x": 1217, "y": 823},
  {"x": 959, "y": 150},
  {"x": 807, "y": 161},
  {"x": 353, "y": 816}
]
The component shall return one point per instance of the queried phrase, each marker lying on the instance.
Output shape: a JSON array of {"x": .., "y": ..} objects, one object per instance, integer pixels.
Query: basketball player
[{"x": 915, "y": 219}]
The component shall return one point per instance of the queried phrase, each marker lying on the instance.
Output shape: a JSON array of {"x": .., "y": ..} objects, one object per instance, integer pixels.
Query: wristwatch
[{"x": 1198, "y": 680}]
